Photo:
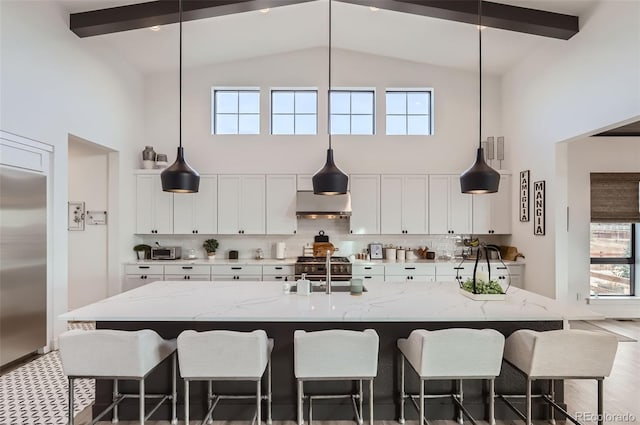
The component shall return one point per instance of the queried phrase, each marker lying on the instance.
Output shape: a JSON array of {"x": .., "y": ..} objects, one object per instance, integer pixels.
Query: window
[
  {"x": 294, "y": 112},
  {"x": 351, "y": 112},
  {"x": 236, "y": 111},
  {"x": 612, "y": 258},
  {"x": 409, "y": 112}
]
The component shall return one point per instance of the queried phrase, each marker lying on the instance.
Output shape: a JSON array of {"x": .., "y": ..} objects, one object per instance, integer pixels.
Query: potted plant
[
  {"x": 210, "y": 245},
  {"x": 142, "y": 251}
]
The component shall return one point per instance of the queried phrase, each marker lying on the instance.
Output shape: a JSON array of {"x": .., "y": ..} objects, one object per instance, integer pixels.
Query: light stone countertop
[
  {"x": 186, "y": 301},
  {"x": 218, "y": 262}
]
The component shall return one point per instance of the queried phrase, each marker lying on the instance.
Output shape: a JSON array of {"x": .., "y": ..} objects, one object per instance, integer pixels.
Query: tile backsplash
[{"x": 337, "y": 230}]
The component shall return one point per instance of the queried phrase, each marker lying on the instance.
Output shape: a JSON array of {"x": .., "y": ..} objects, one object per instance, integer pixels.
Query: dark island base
[{"x": 386, "y": 385}]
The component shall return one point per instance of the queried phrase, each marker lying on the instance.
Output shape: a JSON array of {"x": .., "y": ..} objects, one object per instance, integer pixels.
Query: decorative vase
[
  {"x": 148, "y": 154},
  {"x": 161, "y": 160}
]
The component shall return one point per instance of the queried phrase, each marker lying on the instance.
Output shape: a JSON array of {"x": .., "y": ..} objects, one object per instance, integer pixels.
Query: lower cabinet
[
  {"x": 245, "y": 273},
  {"x": 368, "y": 273},
  {"x": 187, "y": 272},
  {"x": 278, "y": 273},
  {"x": 140, "y": 274},
  {"x": 410, "y": 272}
]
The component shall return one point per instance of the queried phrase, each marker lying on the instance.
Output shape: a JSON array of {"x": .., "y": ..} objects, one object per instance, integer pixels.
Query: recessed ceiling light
[
  {"x": 155, "y": 28},
  {"x": 374, "y": 9},
  {"x": 265, "y": 10}
]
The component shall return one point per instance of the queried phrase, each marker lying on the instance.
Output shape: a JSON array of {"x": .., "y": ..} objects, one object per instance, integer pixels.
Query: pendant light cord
[
  {"x": 480, "y": 73},
  {"x": 180, "y": 89},
  {"x": 329, "y": 99}
]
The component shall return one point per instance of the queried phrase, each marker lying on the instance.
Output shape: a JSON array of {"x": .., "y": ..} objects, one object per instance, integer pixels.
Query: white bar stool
[
  {"x": 117, "y": 355},
  {"x": 225, "y": 356},
  {"x": 561, "y": 354},
  {"x": 451, "y": 354},
  {"x": 336, "y": 355}
]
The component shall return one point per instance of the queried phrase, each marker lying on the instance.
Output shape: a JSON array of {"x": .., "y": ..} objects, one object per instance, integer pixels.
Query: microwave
[{"x": 166, "y": 253}]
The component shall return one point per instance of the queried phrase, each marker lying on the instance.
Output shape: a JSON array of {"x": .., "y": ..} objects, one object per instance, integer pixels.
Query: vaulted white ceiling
[{"x": 382, "y": 32}]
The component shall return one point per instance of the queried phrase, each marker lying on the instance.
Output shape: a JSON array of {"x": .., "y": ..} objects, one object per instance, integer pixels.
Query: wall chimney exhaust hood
[{"x": 309, "y": 205}]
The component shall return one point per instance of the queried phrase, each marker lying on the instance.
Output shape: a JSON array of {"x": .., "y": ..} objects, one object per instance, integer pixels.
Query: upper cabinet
[
  {"x": 241, "y": 204},
  {"x": 450, "y": 210},
  {"x": 281, "y": 204},
  {"x": 365, "y": 204},
  {"x": 404, "y": 204},
  {"x": 154, "y": 208},
  {"x": 492, "y": 212},
  {"x": 197, "y": 212}
]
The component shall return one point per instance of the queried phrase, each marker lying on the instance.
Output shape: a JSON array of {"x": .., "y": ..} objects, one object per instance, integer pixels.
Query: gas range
[{"x": 315, "y": 268}]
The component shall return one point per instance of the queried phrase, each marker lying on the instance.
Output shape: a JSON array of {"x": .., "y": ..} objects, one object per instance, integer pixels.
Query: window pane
[
  {"x": 396, "y": 125},
  {"x": 610, "y": 279},
  {"x": 226, "y": 124},
  {"x": 340, "y": 124},
  {"x": 362, "y": 124},
  {"x": 226, "y": 102},
  {"x": 282, "y": 102},
  {"x": 340, "y": 102},
  {"x": 249, "y": 124},
  {"x": 306, "y": 103},
  {"x": 249, "y": 102},
  {"x": 361, "y": 103},
  {"x": 418, "y": 124},
  {"x": 418, "y": 103},
  {"x": 282, "y": 124},
  {"x": 610, "y": 240},
  {"x": 306, "y": 124},
  {"x": 396, "y": 103}
]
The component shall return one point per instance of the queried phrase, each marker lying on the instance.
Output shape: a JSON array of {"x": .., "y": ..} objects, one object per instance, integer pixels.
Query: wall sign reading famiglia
[
  {"x": 538, "y": 202},
  {"x": 524, "y": 195}
]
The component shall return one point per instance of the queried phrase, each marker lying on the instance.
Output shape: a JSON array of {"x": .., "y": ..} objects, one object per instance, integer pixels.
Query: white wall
[
  {"x": 591, "y": 155},
  {"x": 565, "y": 90},
  {"x": 88, "y": 183},
  {"x": 450, "y": 149},
  {"x": 53, "y": 86}
]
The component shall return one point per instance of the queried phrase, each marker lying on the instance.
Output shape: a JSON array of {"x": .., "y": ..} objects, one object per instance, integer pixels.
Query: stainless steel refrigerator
[{"x": 23, "y": 263}]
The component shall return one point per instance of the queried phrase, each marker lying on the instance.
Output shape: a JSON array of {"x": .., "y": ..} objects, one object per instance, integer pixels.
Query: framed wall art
[
  {"x": 75, "y": 216},
  {"x": 524, "y": 195},
  {"x": 539, "y": 208}
]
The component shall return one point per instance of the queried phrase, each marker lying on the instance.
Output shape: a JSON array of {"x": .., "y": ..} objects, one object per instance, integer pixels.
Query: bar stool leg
[
  {"x": 421, "y": 421},
  {"x": 115, "y": 419},
  {"x": 259, "y": 401},
  {"x": 186, "y": 402},
  {"x": 461, "y": 398},
  {"x": 360, "y": 396},
  {"x": 600, "y": 401},
  {"x": 552, "y": 393},
  {"x": 174, "y": 389},
  {"x": 70, "y": 407},
  {"x": 402, "y": 393},
  {"x": 492, "y": 399},
  {"x": 300, "y": 395},
  {"x": 209, "y": 401},
  {"x": 371, "y": 401},
  {"x": 269, "y": 394},
  {"x": 141, "y": 401},
  {"x": 528, "y": 401}
]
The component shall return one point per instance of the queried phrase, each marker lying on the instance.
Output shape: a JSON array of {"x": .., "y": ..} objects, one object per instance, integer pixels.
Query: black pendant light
[
  {"x": 330, "y": 180},
  {"x": 180, "y": 177},
  {"x": 480, "y": 178}
]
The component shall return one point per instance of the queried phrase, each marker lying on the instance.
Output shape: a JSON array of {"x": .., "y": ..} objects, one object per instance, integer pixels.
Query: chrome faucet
[{"x": 328, "y": 270}]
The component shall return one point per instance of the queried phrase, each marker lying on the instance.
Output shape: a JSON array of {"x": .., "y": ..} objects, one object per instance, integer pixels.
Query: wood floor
[{"x": 622, "y": 391}]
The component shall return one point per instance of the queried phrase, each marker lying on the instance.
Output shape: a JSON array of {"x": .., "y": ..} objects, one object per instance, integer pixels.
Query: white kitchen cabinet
[
  {"x": 187, "y": 272},
  {"x": 240, "y": 272},
  {"x": 197, "y": 212},
  {"x": 492, "y": 212},
  {"x": 365, "y": 204},
  {"x": 410, "y": 272},
  {"x": 279, "y": 273},
  {"x": 241, "y": 204},
  {"x": 281, "y": 205},
  {"x": 404, "y": 205},
  {"x": 304, "y": 181},
  {"x": 450, "y": 210},
  {"x": 140, "y": 274},
  {"x": 154, "y": 208},
  {"x": 368, "y": 272}
]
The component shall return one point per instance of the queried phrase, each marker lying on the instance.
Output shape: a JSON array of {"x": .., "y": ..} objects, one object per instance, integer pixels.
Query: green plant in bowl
[
  {"x": 210, "y": 245},
  {"x": 483, "y": 287}
]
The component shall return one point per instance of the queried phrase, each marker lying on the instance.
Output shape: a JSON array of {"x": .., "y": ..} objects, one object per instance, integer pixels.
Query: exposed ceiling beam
[
  {"x": 162, "y": 12},
  {"x": 144, "y": 15},
  {"x": 495, "y": 15}
]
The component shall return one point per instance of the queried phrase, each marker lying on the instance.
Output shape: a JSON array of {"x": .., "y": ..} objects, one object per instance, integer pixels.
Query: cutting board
[{"x": 320, "y": 249}]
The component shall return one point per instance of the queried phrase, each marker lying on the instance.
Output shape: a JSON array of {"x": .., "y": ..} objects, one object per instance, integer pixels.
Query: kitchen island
[{"x": 392, "y": 309}]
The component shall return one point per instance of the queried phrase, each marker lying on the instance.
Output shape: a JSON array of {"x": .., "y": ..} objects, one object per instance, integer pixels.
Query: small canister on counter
[
  {"x": 390, "y": 253},
  {"x": 400, "y": 254}
]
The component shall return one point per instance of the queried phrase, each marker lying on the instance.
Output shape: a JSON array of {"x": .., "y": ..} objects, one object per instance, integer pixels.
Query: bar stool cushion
[
  {"x": 336, "y": 354},
  {"x": 454, "y": 353},
  {"x": 563, "y": 353},
  {"x": 224, "y": 354},
  {"x": 111, "y": 353}
]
